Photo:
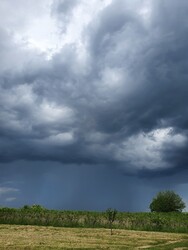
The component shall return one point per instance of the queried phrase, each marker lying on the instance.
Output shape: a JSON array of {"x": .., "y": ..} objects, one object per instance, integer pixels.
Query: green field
[
  {"x": 39, "y": 237},
  {"x": 163, "y": 222}
]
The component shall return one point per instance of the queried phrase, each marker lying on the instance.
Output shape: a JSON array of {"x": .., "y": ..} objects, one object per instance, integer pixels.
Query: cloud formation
[{"x": 99, "y": 83}]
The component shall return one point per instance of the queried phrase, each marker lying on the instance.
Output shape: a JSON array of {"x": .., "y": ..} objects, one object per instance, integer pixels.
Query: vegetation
[
  {"x": 36, "y": 215},
  {"x": 34, "y": 237},
  {"x": 167, "y": 201},
  {"x": 111, "y": 215}
]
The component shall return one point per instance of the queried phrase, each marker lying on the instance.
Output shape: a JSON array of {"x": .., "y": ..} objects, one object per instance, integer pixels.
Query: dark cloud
[{"x": 115, "y": 98}]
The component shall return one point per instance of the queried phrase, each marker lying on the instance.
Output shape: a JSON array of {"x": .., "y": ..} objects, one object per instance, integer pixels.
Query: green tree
[
  {"x": 111, "y": 215},
  {"x": 167, "y": 201},
  {"x": 26, "y": 207}
]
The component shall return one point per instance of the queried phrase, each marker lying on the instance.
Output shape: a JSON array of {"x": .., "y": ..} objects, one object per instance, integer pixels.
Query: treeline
[{"x": 37, "y": 215}]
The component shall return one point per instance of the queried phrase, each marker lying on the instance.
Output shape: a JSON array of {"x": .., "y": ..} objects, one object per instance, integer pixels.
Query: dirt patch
[
  {"x": 180, "y": 248},
  {"x": 143, "y": 247}
]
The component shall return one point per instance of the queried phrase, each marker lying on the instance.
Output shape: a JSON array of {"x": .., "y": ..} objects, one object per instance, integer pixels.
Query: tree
[
  {"x": 111, "y": 215},
  {"x": 167, "y": 201}
]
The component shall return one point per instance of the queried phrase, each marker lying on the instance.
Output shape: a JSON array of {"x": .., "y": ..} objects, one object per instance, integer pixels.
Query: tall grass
[{"x": 166, "y": 222}]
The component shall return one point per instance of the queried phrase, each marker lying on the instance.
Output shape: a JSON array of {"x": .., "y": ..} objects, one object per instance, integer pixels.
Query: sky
[{"x": 93, "y": 102}]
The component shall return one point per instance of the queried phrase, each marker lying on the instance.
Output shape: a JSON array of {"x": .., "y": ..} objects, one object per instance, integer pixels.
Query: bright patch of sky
[
  {"x": 144, "y": 151},
  {"x": 44, "y": 32}
]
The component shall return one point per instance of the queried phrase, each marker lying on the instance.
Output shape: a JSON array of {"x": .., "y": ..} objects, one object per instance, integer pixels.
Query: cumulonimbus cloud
[{"x": 117, "y": 95}]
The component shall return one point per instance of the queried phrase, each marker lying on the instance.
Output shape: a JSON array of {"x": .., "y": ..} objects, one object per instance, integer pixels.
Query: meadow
[
  {"x": 164, "y": 222},
  {"x": 16, "y": 237}
]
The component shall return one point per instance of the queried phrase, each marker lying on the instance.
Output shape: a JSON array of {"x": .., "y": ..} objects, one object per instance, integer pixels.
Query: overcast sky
[{"x": 93, "y": 102}]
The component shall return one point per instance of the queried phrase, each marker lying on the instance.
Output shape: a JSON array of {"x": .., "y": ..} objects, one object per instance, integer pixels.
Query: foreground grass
[{"x": 38, "y": 237}]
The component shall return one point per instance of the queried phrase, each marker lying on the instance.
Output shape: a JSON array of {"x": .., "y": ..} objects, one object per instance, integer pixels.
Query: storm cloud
[{"x": 93, "y": 89}]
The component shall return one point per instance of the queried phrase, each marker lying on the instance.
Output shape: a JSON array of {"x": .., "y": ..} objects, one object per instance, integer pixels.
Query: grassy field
[
  {"x": 40, "y": 237},
  {"x": 161, "y": 222}
]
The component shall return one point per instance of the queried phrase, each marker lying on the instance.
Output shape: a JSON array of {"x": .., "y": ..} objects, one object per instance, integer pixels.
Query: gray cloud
[
  {"x": 116, "y": 98},
  {"x": 62, "y": 10},
  {"x": 64, "y": 6}
]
